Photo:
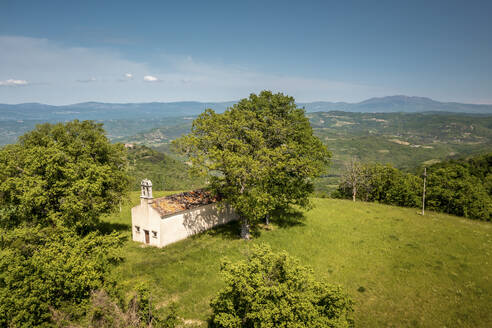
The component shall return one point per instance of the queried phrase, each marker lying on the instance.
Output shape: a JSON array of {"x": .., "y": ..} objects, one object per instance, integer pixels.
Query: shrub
[
  {"x": 140, "y": 312},
  {"x": 274, "y": 290}
]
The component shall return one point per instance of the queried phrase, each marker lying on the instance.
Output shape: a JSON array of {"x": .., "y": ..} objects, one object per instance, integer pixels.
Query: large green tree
[
  {"x": 51, "y": 268},
  {"x": 65, "y": 174},
  {"x": 260, "y": 155}
]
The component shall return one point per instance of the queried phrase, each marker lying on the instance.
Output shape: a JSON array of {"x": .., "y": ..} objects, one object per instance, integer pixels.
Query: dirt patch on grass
[
  {"x": 343, "y": 123},
  {"x": 400, "y": 142},
  {"x": 166, "y": 302},
  {"x": 193, "y": 323}
]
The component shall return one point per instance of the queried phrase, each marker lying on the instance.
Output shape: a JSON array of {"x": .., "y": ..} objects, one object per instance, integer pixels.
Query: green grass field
[{"x": 402, "y": 269}]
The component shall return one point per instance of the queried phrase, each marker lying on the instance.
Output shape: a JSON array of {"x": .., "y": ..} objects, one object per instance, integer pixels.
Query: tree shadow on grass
[
  {"x": 288, "y": 217},
  {"x": 228, "y": 231},
  {"x": 282, "y": 218},
  {"x": 106, "y": 227}
]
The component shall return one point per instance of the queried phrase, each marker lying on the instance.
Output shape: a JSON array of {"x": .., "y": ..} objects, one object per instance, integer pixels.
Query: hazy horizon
[{"x": 235, "y": 100}]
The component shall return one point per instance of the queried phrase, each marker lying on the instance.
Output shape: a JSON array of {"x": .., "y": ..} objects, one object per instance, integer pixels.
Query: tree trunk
[
  {"x": 423, "y": 194},
  {"x": 267, "y": 219},
  {"x": 245, "y": 234},
  {"x": 354, "y": 193}
]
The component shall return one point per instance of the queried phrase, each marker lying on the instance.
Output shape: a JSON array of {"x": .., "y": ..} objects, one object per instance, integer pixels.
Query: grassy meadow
[{"x": 401, "y": 268}]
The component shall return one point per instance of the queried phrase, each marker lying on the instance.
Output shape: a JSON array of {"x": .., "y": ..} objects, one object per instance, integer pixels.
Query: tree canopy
[
  {"x": 259, "y": 155},
  {"x": 51, "y": 268},
  {"x": 452, "y": 189},
  {"x": 61, "y": 174}
]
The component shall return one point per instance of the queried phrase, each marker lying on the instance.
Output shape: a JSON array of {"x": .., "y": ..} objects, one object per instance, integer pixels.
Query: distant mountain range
[
  {"x": 110, "y": 111},
  {"x": 106, "y": 111},
  {"x": 393, "y": 104}
]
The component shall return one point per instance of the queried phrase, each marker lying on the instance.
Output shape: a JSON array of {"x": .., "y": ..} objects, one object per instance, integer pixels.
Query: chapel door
[{"x": 147, "y": 237}]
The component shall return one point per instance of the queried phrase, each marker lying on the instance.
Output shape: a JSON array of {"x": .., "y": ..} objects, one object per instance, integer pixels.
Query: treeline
[{"x": 460, "y": 187}]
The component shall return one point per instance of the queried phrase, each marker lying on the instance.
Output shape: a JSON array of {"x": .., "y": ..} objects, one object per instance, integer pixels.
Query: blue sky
[{"x": 61, "y": 52}]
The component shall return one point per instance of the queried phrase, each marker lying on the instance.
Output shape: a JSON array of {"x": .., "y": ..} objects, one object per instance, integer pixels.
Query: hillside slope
[
  {"x": 165, "y": 172},
  {"x": 402, "y": 269},
  {"x": 404, "y": 140}
]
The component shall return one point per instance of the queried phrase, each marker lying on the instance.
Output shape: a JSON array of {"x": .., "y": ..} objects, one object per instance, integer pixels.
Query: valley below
[{"x": 404, "y": 140}]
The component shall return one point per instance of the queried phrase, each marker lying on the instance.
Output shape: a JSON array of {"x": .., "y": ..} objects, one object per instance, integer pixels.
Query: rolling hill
[
  {"x": 105, "y": 111},
  {"x": 405, "y": 140},
  {"x": 114, "y": 111},
  {"x": 399, "y": 103}
]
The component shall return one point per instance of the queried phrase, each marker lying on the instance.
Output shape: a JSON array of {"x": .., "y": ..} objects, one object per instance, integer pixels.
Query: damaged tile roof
[{"x": 183, "y": 201}]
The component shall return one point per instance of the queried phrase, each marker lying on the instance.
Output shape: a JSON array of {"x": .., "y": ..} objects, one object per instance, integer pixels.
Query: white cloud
[
  {"x": 150, "y": 78},
  {"x": 60, "y": 69},
  {"x": 13, "y": 83},
  {"x": 89, "y": 80},
  {"x": 127, "y": 77}
]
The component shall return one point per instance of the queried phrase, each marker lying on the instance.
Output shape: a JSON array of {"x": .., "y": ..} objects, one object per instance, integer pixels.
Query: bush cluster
[
  {"x": 273, "y": 290},
  {"x": 459, "y": 187}
]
